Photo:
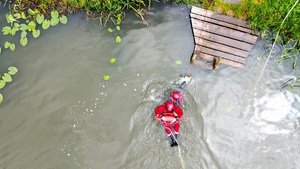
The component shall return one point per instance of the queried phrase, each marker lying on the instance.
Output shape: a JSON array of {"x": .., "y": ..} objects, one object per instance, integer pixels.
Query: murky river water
[{"x": 59, "y": 112}]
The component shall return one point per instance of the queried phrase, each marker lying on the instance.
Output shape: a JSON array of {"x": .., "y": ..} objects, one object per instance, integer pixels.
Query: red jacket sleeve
[
  {"x": 159, "y": 110},
  {"x": 178, "y": 111}
]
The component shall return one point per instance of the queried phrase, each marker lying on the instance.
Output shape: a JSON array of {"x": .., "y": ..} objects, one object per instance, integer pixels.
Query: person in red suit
[{"x": 169, "y": 115}]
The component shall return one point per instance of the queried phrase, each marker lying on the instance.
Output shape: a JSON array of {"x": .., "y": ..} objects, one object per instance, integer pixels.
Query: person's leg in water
[
  {"x": 176, "y": 126},
  {"x": 168, "y": 129}
]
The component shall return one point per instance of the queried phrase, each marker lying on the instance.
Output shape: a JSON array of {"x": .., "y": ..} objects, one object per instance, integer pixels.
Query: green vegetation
[
  {"x": 7, "y": 78},
  {"x": 267, "y": 17},
  {"x": 263, "y": 15}
]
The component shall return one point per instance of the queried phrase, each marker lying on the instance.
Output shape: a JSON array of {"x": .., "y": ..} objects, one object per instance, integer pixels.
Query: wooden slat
[
  {"x": 223, "y": 61},
  {"x": 221, "y": 39},
  {"x": 215, "y": 53},
  {"x": 225, "y": 24},
  {"x": 242, "y": 36},
  {"x": 223, "y": 48},
  {"x": 200, "y": 11}
]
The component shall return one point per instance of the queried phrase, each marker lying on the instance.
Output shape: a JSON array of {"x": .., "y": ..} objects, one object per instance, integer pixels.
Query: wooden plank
[
  {"x": 223, "y": 61},
  {"x": 225, "y": 24},
  {"x": 200, "y": 11},
  {"x": 215, "y": 53},
  {"x": 223, "y": 31},
  {"x": 221, "y": 39},
  {"x": 223, "y": 48}
]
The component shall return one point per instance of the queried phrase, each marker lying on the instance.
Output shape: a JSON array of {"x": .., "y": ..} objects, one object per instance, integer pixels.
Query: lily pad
[
  {"x": 16, "y": 25},
  {"x": 36, "y": 33},
  {"x": 54, "y": 21},
  {"x": 10, "y": 18},
  {"x": 23, "y": 15},
  {"x": 24, "y": 41},
  {"x": 6, "y": 30},
  {"x": 2, "y": 84},
  {"x": 7, "y": 77},
  {"x": 178, "y": 62},
  {"x": 6, "y": 44},
  {"x": 54, "y": 14},
  {"x": 46, "y": 24},
  {"x": 12, "y": 70},
  {"x": 63, "y": 19},
  {"x": 118, "y": 39},
  {"x": 109, "y": 30},
  {"x": 23, "y": 27},
  {"x": 106, "y": 77},
  {"x": 1, "y": 98},
  {"x": 12, "y": 47},
  {"x": 14, "y": 30},
  {"x": 31, "y": 26},
  {"x": 17, "y": 15},
  {"x": 112, "y": 60},
  {"x": 40, "y": 18},
  {"x": 23, "y": 34}
]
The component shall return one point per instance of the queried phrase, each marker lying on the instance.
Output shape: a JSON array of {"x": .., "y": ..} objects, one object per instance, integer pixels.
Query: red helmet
[
  {"x": 176, "y": 96},
  {"x": 169, "y": 105}
]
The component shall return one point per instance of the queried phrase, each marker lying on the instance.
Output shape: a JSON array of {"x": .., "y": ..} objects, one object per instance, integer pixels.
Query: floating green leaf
[
  {"x": 12, "y": 70},
  {"x": 110, "y": 30},
  {"x": 31, "y": 26},
  {"x": 118, "y": 39},
  {"x": 54, "y": 14},
  {"x": 23, "y": 34},
  {"x": 106, "y": 77},
  {"x": 16, "y": 25},
  {"x": 46, "y": 24},
  {"x": 32, "y": 12},
  {"x": 112, "y": 60},
  {"x": 14, "y": 30},
  {"x": 23, "y": 27},
  {"x": 40, "y": 18},
  {"x": 6, "y": 44},
  {"x": 63, "y": 19},
  {"x": 24, "y": 41},
  {"x": 118, "y": 28},
  {"x": 2, "y": 84},
  {"x": 6, "y": 30},
  {"x": 36, "y": 33},
  {"x": 54, "y": 21},
  {"x": 17, "y": 15},
  {"x": 12, "y": 46},
  {"x": 10, "y": 18},
  {"x": 178, "y": 62},
  {"x": 7, "y": 77},
  {"x": 1, "y": 98},
  {"x": 23, "y": 16}
]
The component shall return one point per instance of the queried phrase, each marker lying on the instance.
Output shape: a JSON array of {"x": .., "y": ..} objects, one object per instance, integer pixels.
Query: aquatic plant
[
  {"x": 106, "y": 77},
  {"x": 19, "y": 22},
  {"x": 7, "y": 78}
]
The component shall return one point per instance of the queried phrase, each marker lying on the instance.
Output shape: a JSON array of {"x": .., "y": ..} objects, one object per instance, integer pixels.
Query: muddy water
[{"x": 60, "y": 113}]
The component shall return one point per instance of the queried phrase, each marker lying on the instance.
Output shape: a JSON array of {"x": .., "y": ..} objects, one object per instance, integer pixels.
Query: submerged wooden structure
[{"x": 219, "y": 36}]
